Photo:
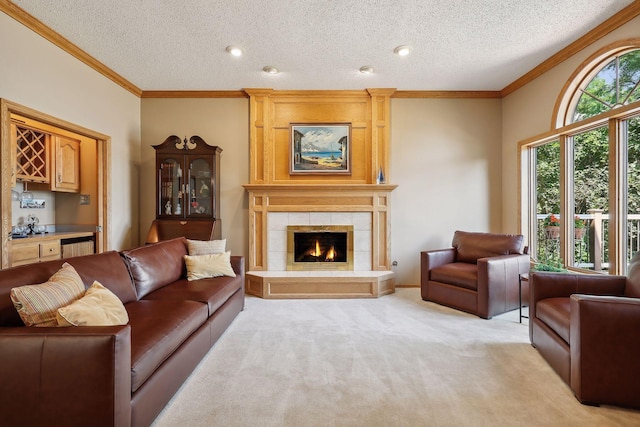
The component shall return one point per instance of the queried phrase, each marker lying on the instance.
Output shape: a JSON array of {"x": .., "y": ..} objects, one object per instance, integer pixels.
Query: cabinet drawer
[
  {"x": 50, "y": 249},
  {"x": 25, "y": 253}
]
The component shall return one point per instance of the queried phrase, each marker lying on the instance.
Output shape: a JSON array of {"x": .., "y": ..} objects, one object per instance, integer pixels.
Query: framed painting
[{"x": 320, "y": 148}]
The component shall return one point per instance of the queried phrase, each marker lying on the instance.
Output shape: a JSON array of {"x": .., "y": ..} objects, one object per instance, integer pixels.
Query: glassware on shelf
[{"x": 26, "y": 194}]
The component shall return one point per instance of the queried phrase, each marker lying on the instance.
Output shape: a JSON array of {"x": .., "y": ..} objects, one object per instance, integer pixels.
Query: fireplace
[{"x": 320, "y": 247}]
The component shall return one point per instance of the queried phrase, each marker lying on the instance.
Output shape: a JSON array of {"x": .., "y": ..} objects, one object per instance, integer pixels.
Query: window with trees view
[{"x": 584, "y": 181}]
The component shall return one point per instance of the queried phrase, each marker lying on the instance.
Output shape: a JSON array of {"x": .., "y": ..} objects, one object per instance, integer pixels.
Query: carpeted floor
[{"x": 392, "y": 361}]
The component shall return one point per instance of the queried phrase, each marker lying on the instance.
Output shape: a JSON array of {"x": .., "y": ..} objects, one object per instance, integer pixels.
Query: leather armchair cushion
[
  {"x": 471, "y": 246},
  {"x": 458, "y": 273},
  {"x": 556, "y": 314},
  {"x": 158, "y": 328}
]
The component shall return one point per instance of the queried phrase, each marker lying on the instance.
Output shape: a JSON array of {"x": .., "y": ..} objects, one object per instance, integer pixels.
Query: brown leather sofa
[
  {"x": 113, "y": 375},
  {"x": 479, "y": 274},
  {"x": 587, "y": 327}
]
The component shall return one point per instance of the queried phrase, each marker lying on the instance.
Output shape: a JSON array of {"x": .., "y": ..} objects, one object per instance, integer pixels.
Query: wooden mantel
[{"x": 373, "y": 198}]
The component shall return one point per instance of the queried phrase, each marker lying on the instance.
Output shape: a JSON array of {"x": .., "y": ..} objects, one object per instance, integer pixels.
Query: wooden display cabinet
[{"x": 187, "y": 194}]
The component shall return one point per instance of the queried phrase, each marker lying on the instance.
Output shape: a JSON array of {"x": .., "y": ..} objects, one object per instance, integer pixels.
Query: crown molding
[
  {"x": 442, "y": 94},
  {"x": 194, "y": 94},
  {"x": 41, "y": 29}
]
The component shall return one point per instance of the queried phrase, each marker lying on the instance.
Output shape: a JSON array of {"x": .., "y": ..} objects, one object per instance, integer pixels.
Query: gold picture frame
[{"x": 320, "y": 148}]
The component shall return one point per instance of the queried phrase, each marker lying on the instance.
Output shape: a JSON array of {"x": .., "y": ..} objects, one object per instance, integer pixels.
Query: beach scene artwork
[{"x": 320, "y": 148}]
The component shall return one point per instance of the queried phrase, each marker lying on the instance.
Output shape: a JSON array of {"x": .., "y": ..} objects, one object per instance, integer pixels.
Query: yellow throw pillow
[
  {"x": 98, "y": 307},
  {"x": 206, "y": 247},
  {"x": 212, "y": 265},
  {"x": 37, "y": 304}
]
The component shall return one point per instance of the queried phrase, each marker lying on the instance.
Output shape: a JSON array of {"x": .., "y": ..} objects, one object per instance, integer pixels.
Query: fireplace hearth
[{"x": 320, "y": 247}]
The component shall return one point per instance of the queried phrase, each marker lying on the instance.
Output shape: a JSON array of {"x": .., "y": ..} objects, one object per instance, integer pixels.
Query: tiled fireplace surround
[
  {"x": 277, "y": 234},
  {"x": 274, "y": 207}
]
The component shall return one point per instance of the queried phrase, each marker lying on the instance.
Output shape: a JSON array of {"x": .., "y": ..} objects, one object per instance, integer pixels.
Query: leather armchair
[
  {"x": 479, "y": 274},
  {"x": 586, "y": 328}
]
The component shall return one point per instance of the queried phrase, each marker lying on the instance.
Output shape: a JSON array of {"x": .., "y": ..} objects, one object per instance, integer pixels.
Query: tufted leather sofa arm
[
  {"x": 604, "y": 349},
  {"x": 66, "y": 376}
]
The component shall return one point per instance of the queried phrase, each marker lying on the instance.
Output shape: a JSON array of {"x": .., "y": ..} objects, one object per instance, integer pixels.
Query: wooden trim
[
  {"x": 41, "y": 29},
  {"x": 7, "y": 169},
  {"x": 194, "y": 94},
  {"x": 444, "y": 94},
  {"x": 611, "y": 24}
]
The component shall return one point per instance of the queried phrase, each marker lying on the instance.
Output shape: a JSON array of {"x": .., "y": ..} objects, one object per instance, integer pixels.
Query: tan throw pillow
[
  {"x": 37, "y": 304},
  {"x": 206, "y": 247},
  {"x": 212, "y": 265},
  {"x": 98, "y": 307}
]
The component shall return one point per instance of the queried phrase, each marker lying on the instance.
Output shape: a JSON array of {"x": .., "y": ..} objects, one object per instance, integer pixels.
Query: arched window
[
  {"x": 615, "y": 84},
  {"x": 583, "y": 177}
]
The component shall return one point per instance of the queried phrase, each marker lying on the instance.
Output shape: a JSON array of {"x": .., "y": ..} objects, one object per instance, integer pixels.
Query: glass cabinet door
[
  {"x": 171, "y": 187},
  {"x": 200, "y": 187}
]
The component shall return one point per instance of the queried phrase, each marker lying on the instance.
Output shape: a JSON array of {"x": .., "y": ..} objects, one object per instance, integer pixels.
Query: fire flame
[
  {"x": 316, "y": 252},
  {"x": 331, "y": 254}
]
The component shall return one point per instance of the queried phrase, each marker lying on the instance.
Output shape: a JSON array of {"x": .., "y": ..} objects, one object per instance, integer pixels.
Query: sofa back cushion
[
  {"x": 107, "y": 268},
  {"x": 155, "y": 266},
  {"x": 632, "y": 287},
  {"x": 472, "y": 246}
]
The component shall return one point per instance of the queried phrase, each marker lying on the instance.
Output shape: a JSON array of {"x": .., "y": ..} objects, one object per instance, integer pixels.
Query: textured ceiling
[{"x": 321, "y": 44}]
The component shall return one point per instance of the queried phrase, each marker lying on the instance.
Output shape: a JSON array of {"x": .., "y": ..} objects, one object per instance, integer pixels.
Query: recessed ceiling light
[
  {"x": 234, "y": 50},
  {"x": 366, "y": 69},
  {"x": 403, "y": 50},
  {"x": 270, "y": 70}
]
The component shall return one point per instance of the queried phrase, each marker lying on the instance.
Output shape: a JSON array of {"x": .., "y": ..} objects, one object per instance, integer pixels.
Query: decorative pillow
[
  {"x": 37, "y": 304},
  {"x": 98, "y": 307},
  {"x": 212, "y": 265},
  {"x": 206, "y": 247}
]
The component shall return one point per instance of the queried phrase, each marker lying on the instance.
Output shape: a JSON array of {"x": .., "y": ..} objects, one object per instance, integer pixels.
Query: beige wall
[
  {"x": 37, "y": 74},
  {"x": 528, "y": 112},
  {"x": 445, "y": 158},
  {"x": 221, "y": 122}
]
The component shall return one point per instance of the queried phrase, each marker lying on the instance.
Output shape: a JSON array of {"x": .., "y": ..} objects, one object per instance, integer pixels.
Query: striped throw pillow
[{"x": 38, "y": 304}]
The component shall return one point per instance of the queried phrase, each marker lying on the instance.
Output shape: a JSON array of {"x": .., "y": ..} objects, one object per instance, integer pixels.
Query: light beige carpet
[{"x": 392, "y": 361}]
